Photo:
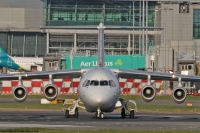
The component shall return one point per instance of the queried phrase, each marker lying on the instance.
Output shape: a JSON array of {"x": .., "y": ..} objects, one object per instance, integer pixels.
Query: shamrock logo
[{"x": 118, "y": 62}]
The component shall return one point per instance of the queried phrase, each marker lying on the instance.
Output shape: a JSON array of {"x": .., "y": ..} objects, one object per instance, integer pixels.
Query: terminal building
[{"x": 21, "y": 35}]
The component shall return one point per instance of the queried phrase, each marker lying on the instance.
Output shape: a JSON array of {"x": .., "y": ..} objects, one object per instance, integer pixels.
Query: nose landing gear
[{"x": 99, "y": 114}]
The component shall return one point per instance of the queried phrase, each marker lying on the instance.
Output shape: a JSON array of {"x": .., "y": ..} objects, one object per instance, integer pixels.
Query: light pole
[{"x": 164, "y": 57}]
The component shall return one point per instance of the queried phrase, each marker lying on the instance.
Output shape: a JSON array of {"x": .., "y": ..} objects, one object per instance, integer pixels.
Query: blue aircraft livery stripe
[{"x": 7, "y": 61}]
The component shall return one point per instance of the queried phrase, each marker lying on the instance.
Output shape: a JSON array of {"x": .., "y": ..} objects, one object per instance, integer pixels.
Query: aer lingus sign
[{"x": 111, "y": 61}]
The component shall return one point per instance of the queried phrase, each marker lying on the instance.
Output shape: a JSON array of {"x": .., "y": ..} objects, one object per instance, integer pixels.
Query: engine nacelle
[
  {"x": 50, "y": 92},
  {"x": 179, "y": 95},
  {"x": 148, "y": 93},
  {"x": 20, "y": 93}
]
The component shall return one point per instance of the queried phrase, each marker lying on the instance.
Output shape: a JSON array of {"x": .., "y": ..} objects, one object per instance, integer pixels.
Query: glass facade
[
  {"x": 28, "y": 44},
  {"x": 196, "y": 24},
  {"x": 91, "y": 12}
]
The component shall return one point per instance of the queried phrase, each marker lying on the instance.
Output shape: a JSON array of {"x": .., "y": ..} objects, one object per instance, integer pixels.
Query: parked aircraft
[
  {"x": 99, "y": 87},
  {"x": 23, "y": 63}
]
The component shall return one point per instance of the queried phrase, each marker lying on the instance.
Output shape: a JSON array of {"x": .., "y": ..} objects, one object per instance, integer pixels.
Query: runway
[{"x": 56, "y": 119}]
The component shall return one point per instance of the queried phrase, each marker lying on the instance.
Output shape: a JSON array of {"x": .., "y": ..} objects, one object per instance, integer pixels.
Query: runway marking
[
  {"x": 192, "y": 127},
  {"x": 10, "y": 125}
]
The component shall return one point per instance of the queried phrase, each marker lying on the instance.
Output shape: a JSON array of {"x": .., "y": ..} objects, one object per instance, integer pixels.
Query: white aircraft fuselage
[{"x": 99, "y": 96}]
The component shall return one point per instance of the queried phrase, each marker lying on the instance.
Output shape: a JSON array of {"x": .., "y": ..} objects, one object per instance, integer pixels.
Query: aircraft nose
[{"x": 98, "y": 100}]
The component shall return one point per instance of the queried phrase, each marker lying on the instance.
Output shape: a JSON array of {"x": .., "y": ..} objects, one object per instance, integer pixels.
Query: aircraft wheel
[
  {"x": 131, "y": 114},
  {"x": 76, "y": 113},
  {"x": 67, "y": 114},
  {"x": 101, "y": 115},
  {"x": 123, "y": 113}
]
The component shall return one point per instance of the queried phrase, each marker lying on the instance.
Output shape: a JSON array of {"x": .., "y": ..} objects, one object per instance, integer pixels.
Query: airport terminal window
[
  {"x": 112, "y": 83},
  {"x": 79, "y": 12},
  {"x": 103, "y": 83},
  {"x": 189, "y": 67},
  {"x": 86, "y": 83},
  {"x": 94, "y": 83},
  {"x": 196, "y": 23}
]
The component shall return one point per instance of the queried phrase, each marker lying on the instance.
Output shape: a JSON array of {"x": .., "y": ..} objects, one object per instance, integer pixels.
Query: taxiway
[{"x": 56, "y": 119}]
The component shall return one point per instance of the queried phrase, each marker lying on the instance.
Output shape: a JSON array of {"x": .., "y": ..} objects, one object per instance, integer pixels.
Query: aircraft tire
[
  {"x": 67, "y": 114},
  {"x": 76, "y": 113},
  {"x": 131, "y": 114},
  {"x": 101, "y": 115},
  {"x": 123, "y": 113}
]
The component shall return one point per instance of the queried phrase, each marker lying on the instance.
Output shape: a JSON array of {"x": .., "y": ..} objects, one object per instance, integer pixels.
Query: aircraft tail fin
[
  {"x": 3, "y": 53},
  {"x": 100, "y": 57}
]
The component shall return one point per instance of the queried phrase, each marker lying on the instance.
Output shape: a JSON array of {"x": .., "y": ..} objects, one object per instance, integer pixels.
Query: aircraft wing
[
  {"x": 139, "y": 74},
  {"x": 72, "y": 73}
]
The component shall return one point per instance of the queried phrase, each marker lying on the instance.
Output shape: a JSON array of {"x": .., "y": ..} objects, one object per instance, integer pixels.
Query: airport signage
[{"x": 111, "y": 61}]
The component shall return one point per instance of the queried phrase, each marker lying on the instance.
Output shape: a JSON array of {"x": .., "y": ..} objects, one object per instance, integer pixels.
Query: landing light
[
  {"x": 173, "y": 76},
  {"x": 26, "y": 75}
]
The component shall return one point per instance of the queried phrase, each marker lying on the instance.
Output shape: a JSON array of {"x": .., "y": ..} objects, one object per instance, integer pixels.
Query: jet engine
[
  {"x": 179, "y": 95},
  {"x": 50, "y": 92},
  {"x": 148, "y": 93},
  {"x": 20, "y": 93}
]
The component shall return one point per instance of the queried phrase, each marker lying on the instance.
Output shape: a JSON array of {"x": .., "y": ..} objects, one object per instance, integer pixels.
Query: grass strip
[{"x": 45, "y": 130}]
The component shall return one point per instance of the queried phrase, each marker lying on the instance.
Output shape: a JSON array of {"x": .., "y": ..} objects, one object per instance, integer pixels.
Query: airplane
[
  {"x": 99, "y": 87},
  {"x": 17, "y": 63}
]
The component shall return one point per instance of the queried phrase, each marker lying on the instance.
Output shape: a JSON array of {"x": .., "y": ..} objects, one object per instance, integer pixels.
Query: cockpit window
[
  {"x": 94, "y": 83},
  {"x": 103, "y": 83},
  {"x": 112, "y": 83},
  {"x": 86, "y": 83}
]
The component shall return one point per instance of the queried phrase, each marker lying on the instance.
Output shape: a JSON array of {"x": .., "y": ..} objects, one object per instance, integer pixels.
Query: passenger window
[
  {"x": 112, "y": 83},
  {"x": 183, "y": 68},
  {"x": 86, "y": 83},
  {"x": 94, "y": 83},
  {"x": 103, "y": 83},
  {"x": 189, "y": 67}
]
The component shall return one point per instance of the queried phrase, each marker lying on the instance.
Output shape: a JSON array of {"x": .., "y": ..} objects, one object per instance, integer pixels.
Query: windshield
[
  {"x": 86, "y": 83},
  {"x": 112, "y": 83},
  {"x": 103, "y": 83},
  {"x": 94, "y": 83}
]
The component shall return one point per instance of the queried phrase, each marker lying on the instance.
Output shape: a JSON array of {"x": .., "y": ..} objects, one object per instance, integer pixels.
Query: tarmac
[{"x": 56, "y": 119}]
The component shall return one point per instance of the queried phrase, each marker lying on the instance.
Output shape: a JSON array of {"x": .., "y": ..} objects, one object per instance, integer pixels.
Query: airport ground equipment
[
  {"x": 73, "y": 109},
  {"x": 125, "y": 111}
]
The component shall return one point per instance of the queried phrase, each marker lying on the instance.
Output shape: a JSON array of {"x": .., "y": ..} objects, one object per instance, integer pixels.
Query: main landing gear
[
  {"x": 125, "y": 111},
  {"x": 99, "y": 114},
  {"x": 72, "y": 110}
]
